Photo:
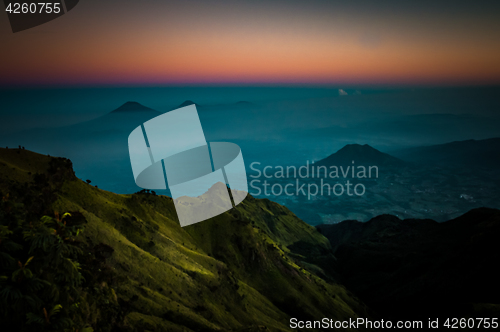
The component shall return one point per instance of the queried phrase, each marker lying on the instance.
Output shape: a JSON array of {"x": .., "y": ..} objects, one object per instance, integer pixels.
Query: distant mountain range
[
  {"x": 361, "y": 155},
  {"x": 123, "y": 119},
  {"x": 99, "y": 146},
  {"x": 106, "y": 134},
  {"x": 119, "y": 121},
  {"x": 470, "y": 153},
  {"x": 431, "y": 128}
]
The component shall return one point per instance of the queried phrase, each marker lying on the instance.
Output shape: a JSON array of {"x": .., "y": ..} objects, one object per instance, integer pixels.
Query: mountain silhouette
[
  {"x": 132, "y": 106},
  {"x": 187, "y": 103},
  {"x": 469, "y": 153},
  {"x": 361, "y": 155}
]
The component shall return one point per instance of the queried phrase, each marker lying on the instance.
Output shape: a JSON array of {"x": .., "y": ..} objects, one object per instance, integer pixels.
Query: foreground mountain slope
[
  {"x": 421, "y": 268},
  {"x": 246, "y": 268}
]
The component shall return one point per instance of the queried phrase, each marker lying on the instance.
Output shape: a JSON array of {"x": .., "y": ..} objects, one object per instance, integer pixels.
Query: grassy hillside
[{"x": 252, "y": 267}]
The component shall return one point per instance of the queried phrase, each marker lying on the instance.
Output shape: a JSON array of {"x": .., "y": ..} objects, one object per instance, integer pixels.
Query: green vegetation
[
  {"x": 50, "y": 280},
  {"x": 122, "y": 262}
]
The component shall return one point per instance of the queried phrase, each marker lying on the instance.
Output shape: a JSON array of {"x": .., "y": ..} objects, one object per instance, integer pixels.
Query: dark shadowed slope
[{"x": 421, "y": 268}]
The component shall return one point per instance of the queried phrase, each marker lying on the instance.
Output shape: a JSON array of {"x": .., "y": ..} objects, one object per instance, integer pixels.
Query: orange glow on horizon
[{"x": 218, "y": 50}]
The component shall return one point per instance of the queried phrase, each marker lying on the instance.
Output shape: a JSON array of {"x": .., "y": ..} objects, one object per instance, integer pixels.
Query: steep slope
[
  {"x": 246, "y": 268},
  {"x": 421, "y": 268}
]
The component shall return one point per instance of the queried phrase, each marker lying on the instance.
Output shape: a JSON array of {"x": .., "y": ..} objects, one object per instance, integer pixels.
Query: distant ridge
[
  {"x": 361, "y": 155},
  {"x": 132, "y": 106},
  {"x": 468, "y": 153}
]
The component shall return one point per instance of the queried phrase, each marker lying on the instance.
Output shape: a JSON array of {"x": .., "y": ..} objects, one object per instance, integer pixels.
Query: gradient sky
[{"x": 318, "y": 42}]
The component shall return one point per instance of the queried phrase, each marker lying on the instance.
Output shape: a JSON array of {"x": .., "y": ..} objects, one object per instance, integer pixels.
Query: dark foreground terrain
[
  {"x": 123, "y": 263},
  {"x": 421, "y": 268}
]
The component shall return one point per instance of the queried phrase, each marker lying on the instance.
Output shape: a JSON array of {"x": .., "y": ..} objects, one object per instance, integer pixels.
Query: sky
[{"x": 355, "y": 42}]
